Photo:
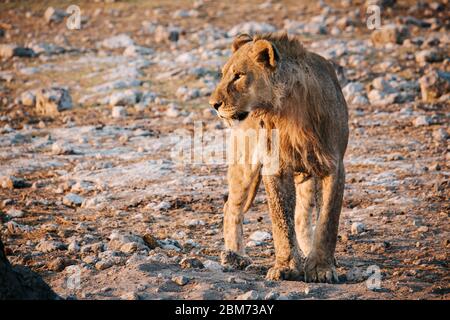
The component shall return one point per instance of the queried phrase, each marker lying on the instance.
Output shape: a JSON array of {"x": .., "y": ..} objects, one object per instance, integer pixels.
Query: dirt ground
[{"x": 106, "y": 210}]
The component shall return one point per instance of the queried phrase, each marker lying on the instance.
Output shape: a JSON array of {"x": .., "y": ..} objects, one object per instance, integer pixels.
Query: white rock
[
  {"x": 162, "y": 206},
  {"x": 195, "y": 222},
  {"x": 54, "y": 15},
  {"x": 52, "y": 101},
  {"x": 16, "y": 228},
  {"x": 28, "y": 99},
  {"x": 260, "y": 236},
  {"x": 119, "y": 41},
  {"x": 272, "y": 295},
  {"x": 357, "y": 228},
  {"x": 422, "y": 121},
  {"x": 73, "y": 247},
  {"x": 73, "y": 200},
  {"x": 60, "y": 148},
  {"x": 129, "y": 247},
  {"x": 353, "y": 89},
  {"x": 50, "y": 245},
  {"x": 172, "y": 112},
  {"x": 251, "y": 28},
  {"x": 249, "y": 295},
  {"x": 212, "y": 265},
  {"x": 180, "y": 280},
  {"x": 124, "y": 98},
  {"x": 169, "y": 244},
  {"x": 382, "y": 85},
  {"x": 135, "y": 51},
  {"x": 119, "y": 112},
  {"x": 15, "y": 213}
]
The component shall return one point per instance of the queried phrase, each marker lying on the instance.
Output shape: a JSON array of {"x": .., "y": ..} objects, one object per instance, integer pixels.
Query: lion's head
[{"x": 245, "y": 83}]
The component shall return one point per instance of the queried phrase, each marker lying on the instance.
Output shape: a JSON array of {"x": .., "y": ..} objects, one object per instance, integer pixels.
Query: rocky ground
[{"x": 95, "y": 200}]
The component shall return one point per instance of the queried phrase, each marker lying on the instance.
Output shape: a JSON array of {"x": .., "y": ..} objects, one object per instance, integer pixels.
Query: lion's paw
[
  {"x": 231, "y": 259},
  {"x": 277, "y": 273},
  {"x": 317, "y": 270}
]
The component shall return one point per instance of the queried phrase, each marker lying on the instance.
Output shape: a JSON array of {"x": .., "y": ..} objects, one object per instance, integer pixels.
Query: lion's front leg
[
  {"x": 281, "y": 198},
  {"x": 320, "y": 263},
  {"x": 241, "y": 184}
]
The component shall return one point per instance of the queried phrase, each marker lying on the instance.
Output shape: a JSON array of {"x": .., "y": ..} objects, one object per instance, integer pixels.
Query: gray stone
[
  {"x": 180, "y": 280},
  {"x": 15, "y": 213},
  {"x": 53, "y": 15},
  {"x": 422, "y": 121},
  {"x": 212, "y": 265},
  {"x": 250, "y": 295},
  {"x": 50, "y": 245},
  {"x": 73, "y": 200},
  {"x": 357, "y": 228},
  {"x": 429, "y": 56},
  {"x": 434, "y": 84},
  {"x": 251, "y": 28},
  {"x": 260, "y": 236},
  {"x": 28, "y": 99},
  {"x": 118, "y": 41},
  {"x": 119, "y": 112},
  {"x": 390, "y": 33},
  {"x": 125, "y": 98},
  {"x": 52, "y": 101},
  {"x": 10, "y": 50}
]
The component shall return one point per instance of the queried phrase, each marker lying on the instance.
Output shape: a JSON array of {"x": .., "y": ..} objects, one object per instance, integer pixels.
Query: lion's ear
[
  {"x": 264, "y": 52},
  {"x": 240, "y": 40}
]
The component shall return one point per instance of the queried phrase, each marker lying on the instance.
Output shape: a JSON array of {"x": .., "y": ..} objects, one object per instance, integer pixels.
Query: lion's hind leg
[
  {"x": 280, "y": 190},
  {"x": 320, "y": 262}
]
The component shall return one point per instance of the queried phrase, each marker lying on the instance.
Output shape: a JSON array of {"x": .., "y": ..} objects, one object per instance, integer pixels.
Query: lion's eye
[{"x": 237, "y": 76}]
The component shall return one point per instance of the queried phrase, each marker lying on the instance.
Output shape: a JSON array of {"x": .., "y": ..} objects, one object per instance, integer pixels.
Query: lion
[{"x": 271, "y": 81}]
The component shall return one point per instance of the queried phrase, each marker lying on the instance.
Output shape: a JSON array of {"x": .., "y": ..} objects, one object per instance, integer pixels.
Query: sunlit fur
[{"x": 300, "y": 97}]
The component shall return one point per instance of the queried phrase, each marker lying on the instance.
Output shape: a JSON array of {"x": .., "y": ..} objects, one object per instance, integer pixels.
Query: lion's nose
[{"x": 216, "y": 104}]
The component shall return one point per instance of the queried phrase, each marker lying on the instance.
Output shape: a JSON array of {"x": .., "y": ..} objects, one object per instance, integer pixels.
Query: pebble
[
  {"x": 57, "y": 264},
  {"x": 50, "y": 245},
  {"x": 15, "y": 213},
  {"x": 16, "y": 228},
  {"x": 180, "y": 280},
  {"x": 53, "y": 15},
  {"x": 191, "y": 263},
  {"x": 272, "y": 295},
  {"x": 73, "y": 247},
  {"x": 150, "y": 241},
  {"x": 11, "y": 182},
  {"x": 249, "y": 295},
  {"x": 260, "y": 236},
  {"x": 119, "y": 41},
  {"x": 129, "y": 247},
  {"x": 357, "y": 228},
  {"x": 52, "y": 101},
  {"x": 119, "y": 112},
  {"x": 73, "y": 200},
  {"x": 104, "y": 264},
  {"x": 423, "y": 229},
  {"x": 422, "y": 121},
  {"x": 212, "y": 265}
]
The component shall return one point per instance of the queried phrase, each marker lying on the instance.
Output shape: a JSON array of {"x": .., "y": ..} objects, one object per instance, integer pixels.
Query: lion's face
[{"x": 245, "y": 83}]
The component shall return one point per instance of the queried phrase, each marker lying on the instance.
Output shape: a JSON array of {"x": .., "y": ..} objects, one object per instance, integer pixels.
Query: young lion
[{"x": 272, "y": 82}]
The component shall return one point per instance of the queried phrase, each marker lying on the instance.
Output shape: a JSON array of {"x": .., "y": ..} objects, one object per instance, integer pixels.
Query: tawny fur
[{"x": 282, "y": 86}]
